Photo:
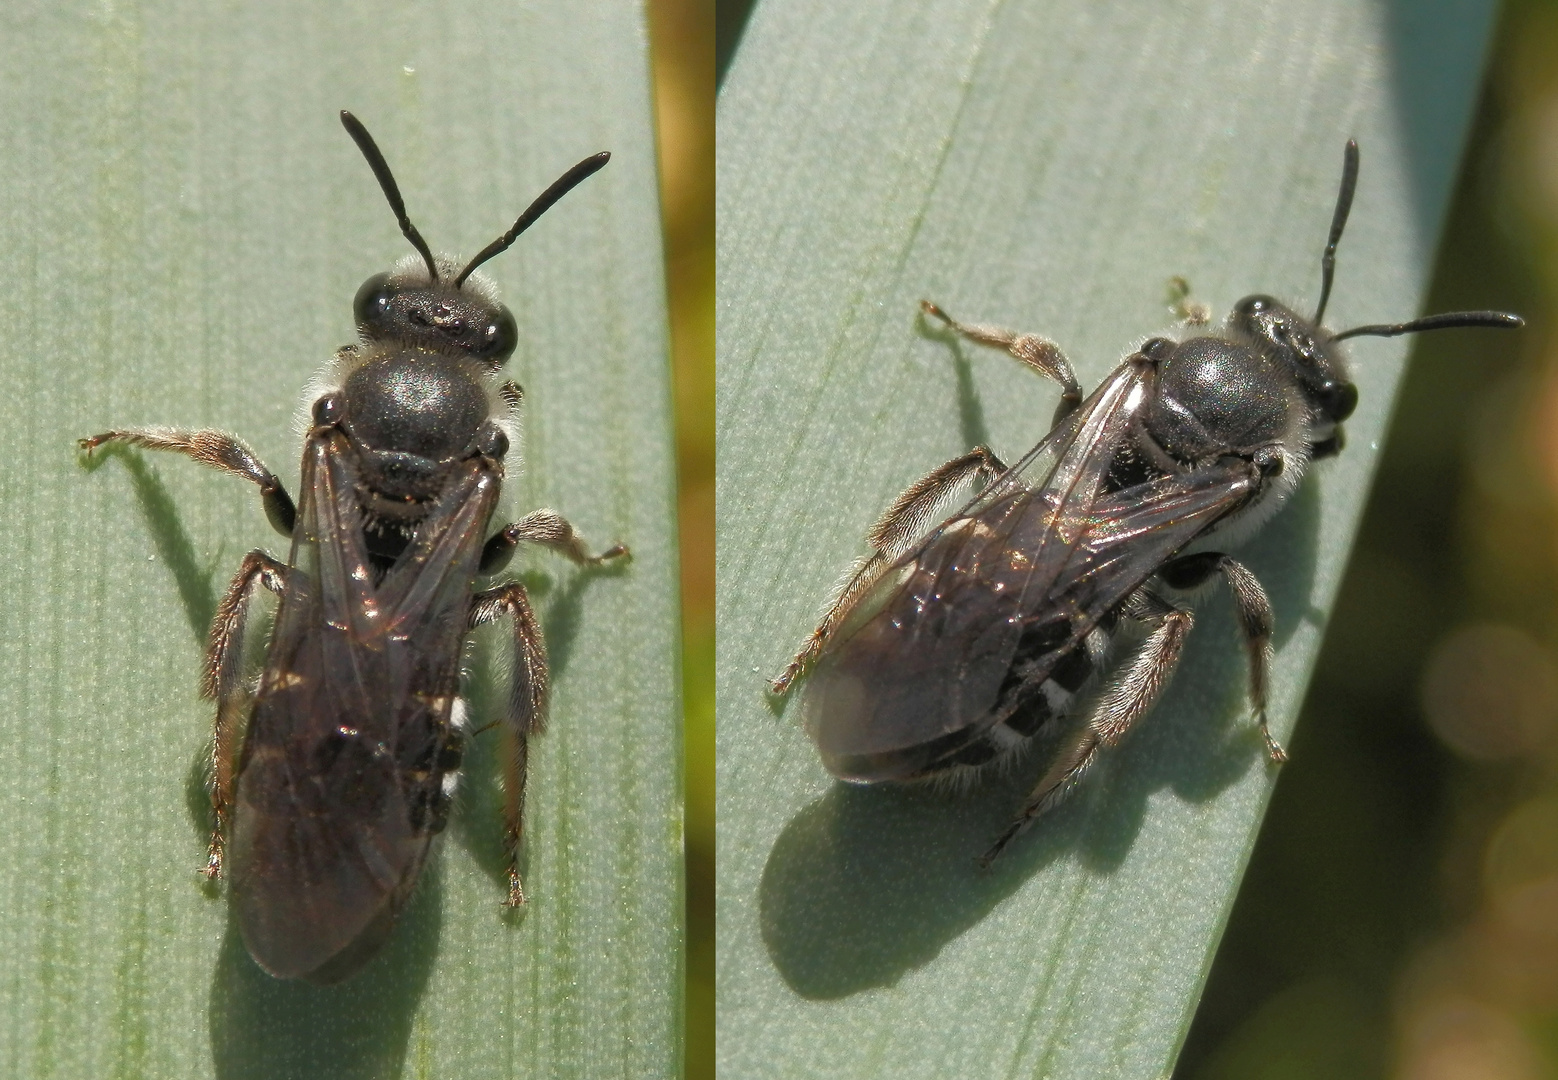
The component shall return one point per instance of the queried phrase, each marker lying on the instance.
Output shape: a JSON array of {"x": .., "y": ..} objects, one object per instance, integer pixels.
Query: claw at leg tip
[
  {"x": 779, "y": 685},
  {"x": 516, "y": 896}
]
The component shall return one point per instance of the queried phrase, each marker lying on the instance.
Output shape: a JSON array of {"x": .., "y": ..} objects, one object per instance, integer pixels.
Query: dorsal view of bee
[
  {"x": 333, "y": 772},
  {"x": 1052, "y": 607}
]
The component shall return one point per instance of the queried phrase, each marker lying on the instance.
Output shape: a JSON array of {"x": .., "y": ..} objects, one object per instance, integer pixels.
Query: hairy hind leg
[
  {"x": 894, "y": 533},
  {"x": 526, "y": 712},
  {"x": 223, "y": 681},
  {"x": 1133, "y": 689}
]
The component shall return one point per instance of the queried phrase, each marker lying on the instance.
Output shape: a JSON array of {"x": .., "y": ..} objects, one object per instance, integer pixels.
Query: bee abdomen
[{"x": 1028, "y": 708}]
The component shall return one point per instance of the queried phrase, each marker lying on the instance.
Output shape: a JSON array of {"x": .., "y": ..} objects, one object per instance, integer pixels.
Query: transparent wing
[
  {"x": 331, "y": 824},
  {"x": 1028, "y": 568}
]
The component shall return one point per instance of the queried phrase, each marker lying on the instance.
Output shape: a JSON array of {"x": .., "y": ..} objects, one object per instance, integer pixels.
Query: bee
[
  {"x": 1058, "y": 590},
  {"x": 330, "y": 776}
]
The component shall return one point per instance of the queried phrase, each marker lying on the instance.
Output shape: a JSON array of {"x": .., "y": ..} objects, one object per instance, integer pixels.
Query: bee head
[
  {"x": 1283, "y": 335},
  {"x": 434, "y": 310},
  {"x": 1310, "y": 350},
  {"x": 434, "y": 315}
]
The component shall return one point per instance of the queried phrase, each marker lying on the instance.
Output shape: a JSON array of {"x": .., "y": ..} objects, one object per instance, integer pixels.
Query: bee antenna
[
  {"x": 1338, "y": 223},
  {"x": 560, "y": 187},
  {"x": 381, "y": 170},
  {"x": 1447, "y": 321}
]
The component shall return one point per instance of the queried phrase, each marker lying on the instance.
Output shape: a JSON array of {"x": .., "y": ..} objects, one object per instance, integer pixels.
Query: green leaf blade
[{"x": 1047, "y": 167}]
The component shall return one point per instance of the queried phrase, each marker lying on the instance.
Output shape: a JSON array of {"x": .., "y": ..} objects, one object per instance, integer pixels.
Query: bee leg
[
  {"x": 513, "y": 396},
  {"x": 1255, "y": 622},
  {"x": 549, "y": 529},
  {"x": 526, "y": 711},
  {"x": 223, "y": 681},
  {"x": 1132, "y": 690},
  {"x": 216, "y": 449},
  {"x": 1040, "y": 354},
  {"x": 893, "y": 534}
]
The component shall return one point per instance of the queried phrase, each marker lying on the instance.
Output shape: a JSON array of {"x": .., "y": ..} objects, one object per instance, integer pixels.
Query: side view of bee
[
  {"x": 1061, "y": 581},
  {"x": 331, "y": 776}
]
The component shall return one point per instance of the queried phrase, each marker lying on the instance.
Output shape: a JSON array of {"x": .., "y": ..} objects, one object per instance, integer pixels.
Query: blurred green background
[
  {"x": 682, "y": 50},
  {"x": 1400, "y": 915}
]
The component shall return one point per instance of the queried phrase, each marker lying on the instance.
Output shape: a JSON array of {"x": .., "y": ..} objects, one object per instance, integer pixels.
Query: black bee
[
  {"x": 947, "y": 649},
  {"x": 331, "y": 776}
]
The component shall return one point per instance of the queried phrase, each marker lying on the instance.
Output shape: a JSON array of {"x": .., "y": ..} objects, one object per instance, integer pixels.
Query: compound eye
[
  {"x": 1254, "y": 305},
  {"x": 371, "y": 306},
  {"x": 499, "y": 337},
  {"x": 1340, "y": 400}
]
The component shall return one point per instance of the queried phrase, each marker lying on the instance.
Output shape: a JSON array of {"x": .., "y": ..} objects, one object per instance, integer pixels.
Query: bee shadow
[
  {"x": 477, "y": 820},
  {"x": 1283, "y": 557},
  {"x": 971, "y": 411},
  {"x": 561, "y": 619},
  {"x": 262, "y": 1027},
  {"x": 174, "y": 547},
  {"x": 867, "y": 884}
]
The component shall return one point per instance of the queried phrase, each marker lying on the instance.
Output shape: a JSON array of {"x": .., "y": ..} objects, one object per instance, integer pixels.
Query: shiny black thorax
[{"x": 1268, "y": 389}]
